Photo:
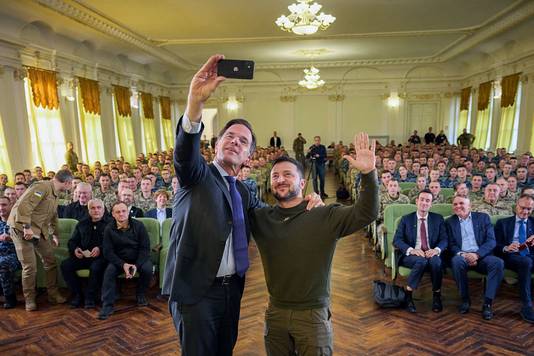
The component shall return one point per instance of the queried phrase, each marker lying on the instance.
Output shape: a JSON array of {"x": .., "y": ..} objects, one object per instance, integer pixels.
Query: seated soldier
[
  {"x": 9, "y": 262},
  {"x": 127, "y": 197},
  {"x": 515, "y": 244},
  {"x": 78, "y": 209},
  {"x": 421, "y": 237},
  {"x": 506, "y": 197},
  {"x": 491, "y": 204},
  {"x": 244, "y": 176},
  {"x": 85, "y": 248},
  {"x": 435, "y": 189},
  {"x": 160, "y": 212},
  {"x": 127, "y": 249},
  {"x": 20, "y": 188},
  {"x": 420, "y": 186},
  {"x": 10, "y": 194},
  {"x": 392, "y": 196},
  {"x": 460, "y": 189},
  {"x": 144, "y": 199},
  {"x": 476, "y": 192}
]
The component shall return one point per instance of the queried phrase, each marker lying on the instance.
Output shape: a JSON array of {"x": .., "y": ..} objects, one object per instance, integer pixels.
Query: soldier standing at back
[
  {"x": 298, "y": 147},
  {"x": 33, "y": 216},
  {"x": 465, "y": 139}
]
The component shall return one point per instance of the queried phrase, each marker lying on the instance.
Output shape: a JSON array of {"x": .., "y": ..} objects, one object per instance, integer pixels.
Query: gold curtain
[
  {"x": 148, "y": 109},
  {"x": 165, "y": 104},
  {"x": 122, "y": 97},
  {"x": 464, "y": 98},
  {"x": 509, "y": 90},
  {"x": 44, "y": 88},
  {"x": 484, "y": 91},
  {"x": 90, "y": 94}
]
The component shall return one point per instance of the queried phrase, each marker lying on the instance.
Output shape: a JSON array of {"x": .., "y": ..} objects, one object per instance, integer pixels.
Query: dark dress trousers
[
  {"x": 522, "y": 265},
  {"x": 487, "y": 263},
  {"x": 205, "y": 309},
  {"x": 87, "y": 235},
  {"x": 406, "y": 237}
]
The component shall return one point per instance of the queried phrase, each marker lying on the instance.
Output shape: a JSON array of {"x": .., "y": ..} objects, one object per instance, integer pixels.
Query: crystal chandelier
[
  {"x": 312, "y": 79},
  {"x": 303, "y": 19}
]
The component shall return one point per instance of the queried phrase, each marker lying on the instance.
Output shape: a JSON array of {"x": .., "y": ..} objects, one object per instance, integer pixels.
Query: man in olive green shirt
[
  {"x": 33, "y": 218},
  {"x": 297, "y": 247},
  {"x": 465, "y": 139}
]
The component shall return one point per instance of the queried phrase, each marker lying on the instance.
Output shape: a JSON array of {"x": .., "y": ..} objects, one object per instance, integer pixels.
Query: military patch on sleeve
[{"x": 38, "y": 194}]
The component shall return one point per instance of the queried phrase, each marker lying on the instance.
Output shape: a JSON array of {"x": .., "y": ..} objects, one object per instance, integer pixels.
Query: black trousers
[
  {"x": 421, "y": 264},
  {"x": 109, "y": 286},
  {"x": 96, "y": 266},
  {"x": 522, "y": 265},
  {"x": 210, "y": 326}
]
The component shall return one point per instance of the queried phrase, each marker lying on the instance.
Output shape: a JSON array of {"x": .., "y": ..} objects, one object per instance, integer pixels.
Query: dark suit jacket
[
  {"x": 406, "y": 233},
  {"x": 504, "y": 233},
  {"x": 202, "y": 221},
  {"x": 136, "y": 212},
  {"x": 153, "y": 213},
  {"x": 484, "y": 234},
  {"x": 275, "y": 142}
]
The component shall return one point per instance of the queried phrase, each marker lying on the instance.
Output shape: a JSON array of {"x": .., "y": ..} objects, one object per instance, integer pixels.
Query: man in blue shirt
[
  {"x": 317, "y": 154},
  {"x": 471, "y": 243}
]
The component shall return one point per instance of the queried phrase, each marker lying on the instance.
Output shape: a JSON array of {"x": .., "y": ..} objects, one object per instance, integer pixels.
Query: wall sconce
[
  {"x": 232, "y": 104},
  {"x": 393, "y": 100},
  {"x": 497, "y": 89}
]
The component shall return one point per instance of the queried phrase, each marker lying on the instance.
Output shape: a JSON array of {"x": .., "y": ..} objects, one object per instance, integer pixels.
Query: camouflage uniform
[
  {"x": 476, "y": 196},
  {"x": 496, "y": 209},
  {"x": 386, "y": 199},
  {"x": 9, "y": 262},
  {"x": 413, "y": 193},
  {"x": 109, "y": 198},
  {"x": 440, "y": 199},
  {"x": 143, "y": 203},
  {"x": 509, "y": 200}
]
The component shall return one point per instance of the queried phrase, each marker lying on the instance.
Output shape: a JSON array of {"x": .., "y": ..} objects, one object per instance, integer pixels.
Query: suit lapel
[
  {"x": 413, "y": 222},
  {"x": 476, "y": 230},
  {"x": 510, "y": 230},
  {"x": 457, "y": 230},
  {"x": 221, "y": 183}
]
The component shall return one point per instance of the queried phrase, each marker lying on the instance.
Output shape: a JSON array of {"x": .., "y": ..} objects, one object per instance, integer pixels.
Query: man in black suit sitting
[
  {"x": 421, "y": 238},
  {"x": 515, "y": 240},
  {"x": 127, "y": 197}
]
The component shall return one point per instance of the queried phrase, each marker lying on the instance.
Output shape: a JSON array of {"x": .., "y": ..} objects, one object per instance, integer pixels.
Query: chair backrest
[
  {"x": 397, "y": 222},
  {"x": 406, "y": 185},
  {"x": 153, "y": 228},
  {"x": 442, "y": 209},
  {"x": 447, "y": 192},
  {"x": 66, "y": 228},
  {"x": 495, "y": 218},
  {"x": 406, "y": 191},
  {"x": 166, "y": 233},
  {"x": 392, "y": 211}
]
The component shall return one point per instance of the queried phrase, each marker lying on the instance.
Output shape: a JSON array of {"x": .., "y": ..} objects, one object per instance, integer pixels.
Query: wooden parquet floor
[{"x": 360, "y": 328}]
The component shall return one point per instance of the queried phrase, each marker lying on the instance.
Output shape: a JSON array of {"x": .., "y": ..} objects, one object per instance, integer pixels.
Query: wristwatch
[{"x": 26, "y": 226}]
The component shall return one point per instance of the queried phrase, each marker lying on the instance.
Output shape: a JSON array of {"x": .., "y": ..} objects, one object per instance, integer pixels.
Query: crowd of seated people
[
  {"x": 142, "y": 189},
  {"x": 485, "y": 184}
]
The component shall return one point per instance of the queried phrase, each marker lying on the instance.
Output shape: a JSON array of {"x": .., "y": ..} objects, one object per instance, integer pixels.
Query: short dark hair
[
  {"x": 297, "y": 164},
  {"x": 104, "y": 175},
  {"x": 525, "y": 196},
  {"x": 240, "y": 122},
  {"x": 63, "y": 175},
  {"x": 424, "y": 191}
]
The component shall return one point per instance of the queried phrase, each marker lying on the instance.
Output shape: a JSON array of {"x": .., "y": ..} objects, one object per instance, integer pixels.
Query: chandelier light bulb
[{"x": 303, "y": 19}]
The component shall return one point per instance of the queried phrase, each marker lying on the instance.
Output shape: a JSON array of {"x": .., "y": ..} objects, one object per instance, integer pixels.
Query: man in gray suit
[{"x": 208, "y": 252}]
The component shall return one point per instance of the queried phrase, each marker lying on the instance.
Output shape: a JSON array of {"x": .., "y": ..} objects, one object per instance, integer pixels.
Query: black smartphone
[{"x": 234, "y": 68}]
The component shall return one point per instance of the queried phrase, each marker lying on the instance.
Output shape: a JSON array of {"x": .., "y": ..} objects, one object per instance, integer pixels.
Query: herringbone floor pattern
[{"x": 360, "y": 328}]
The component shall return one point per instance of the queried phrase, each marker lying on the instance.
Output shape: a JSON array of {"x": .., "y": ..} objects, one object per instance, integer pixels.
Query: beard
[{"x": 291, "y": 193}]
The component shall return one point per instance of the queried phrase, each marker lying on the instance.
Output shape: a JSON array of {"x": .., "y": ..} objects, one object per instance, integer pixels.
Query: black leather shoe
[
  {"x": 76, "y": 301},
  {"x": 324, "y": 196},
  {"x": 105, "y": 312},
  {"x": 464, "y": 308},
  {"x": 410, "y": 306},
  {"x": 527, "y": 314},
  {"x": 11, "y": 301},
  {"x": 437, "y": 306},
  {"x": 141, "y": 301},
  {"x": 487, "y": 313}
]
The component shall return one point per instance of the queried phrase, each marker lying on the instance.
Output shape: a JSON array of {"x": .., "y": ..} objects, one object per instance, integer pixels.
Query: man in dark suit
[
  {"x": 515, "y": 238},
  {"x": 127, "y": 197},
  {"x": 275, "y": 141},
  {"x": 208, "y": 258},
  {"x": 78, "y": 210},
  {"x": 471, "y": 243},
  {"x": 421, "y": 238},
  {"x": 161, "y": 212}
]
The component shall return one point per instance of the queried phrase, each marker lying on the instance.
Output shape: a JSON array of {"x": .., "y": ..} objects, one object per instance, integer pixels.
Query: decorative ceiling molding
[
  {"x": 90, "y": 18},
  {"x": 352, "y": 63}
]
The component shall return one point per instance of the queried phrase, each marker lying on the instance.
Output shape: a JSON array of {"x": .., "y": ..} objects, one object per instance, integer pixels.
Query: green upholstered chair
[
  {"x": 406, "y": 185},
  {"x": 447, "y": 192},
  {"x": 442, "y": 209},
  {"x": 153, "y": 228},
  {"x": 392, "y": 212},
  {"x": 495, "y": 218},
  {"x": 165, "y": 241}
]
